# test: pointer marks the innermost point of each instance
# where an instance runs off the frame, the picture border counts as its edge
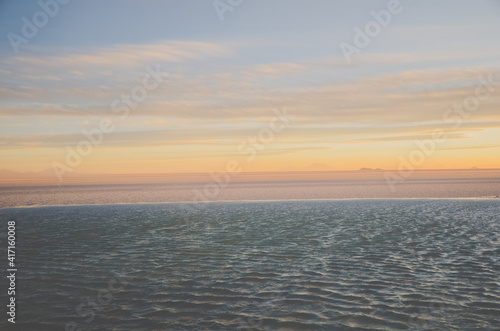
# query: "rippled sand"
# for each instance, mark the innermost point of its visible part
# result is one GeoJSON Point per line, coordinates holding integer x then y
{"type": "Point", "coordinates": [303, 265]}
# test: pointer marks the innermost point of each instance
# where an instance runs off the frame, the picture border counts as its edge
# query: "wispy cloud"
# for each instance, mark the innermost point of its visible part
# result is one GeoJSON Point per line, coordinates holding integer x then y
{"type": "Point", "coordinates": [125, 55]}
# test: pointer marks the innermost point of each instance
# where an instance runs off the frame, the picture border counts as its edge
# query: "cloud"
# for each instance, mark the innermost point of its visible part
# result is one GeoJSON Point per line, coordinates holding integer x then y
{"type": "Point", "coordinates": [413, 95]}
{"type": "Point", "coordinates": [95, 75]}
{"type": "Point", "coordinates": [419, 137]}
{"type": "Point", "coordinates": [297, 136]}
{"type": "Point", "coordinates": [469, 147]}
{"type": "Point", "coordinates": [125, 56]}
{"type": "Point", "coordinates": [159, 122]}
{"type": "Point", "coordinates": [276, 69]}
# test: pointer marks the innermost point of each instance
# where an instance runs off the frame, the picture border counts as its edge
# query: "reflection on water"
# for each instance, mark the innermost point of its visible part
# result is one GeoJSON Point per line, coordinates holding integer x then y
{"type": "Point", "coordinates": [114, 189]}
{"type": "Point", "coordinates": [310, 265]}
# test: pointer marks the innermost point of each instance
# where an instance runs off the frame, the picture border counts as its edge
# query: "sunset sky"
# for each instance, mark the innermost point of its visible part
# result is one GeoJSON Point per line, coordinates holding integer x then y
{"type": "Point", "coordinates": [227, 79]}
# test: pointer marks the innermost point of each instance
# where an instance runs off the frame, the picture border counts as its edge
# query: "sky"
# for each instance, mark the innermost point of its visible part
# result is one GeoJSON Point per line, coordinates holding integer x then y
{"type": "Point", "coordinates": [252, 85]}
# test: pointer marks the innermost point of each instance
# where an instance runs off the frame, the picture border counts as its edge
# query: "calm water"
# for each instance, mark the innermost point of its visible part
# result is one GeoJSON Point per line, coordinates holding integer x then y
{"type": "Point", "coordinates": [301, 265]}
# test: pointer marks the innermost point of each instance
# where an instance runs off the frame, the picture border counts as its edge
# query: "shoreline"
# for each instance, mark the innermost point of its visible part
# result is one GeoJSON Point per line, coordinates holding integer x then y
{"type": "Point", "coordinates": [486, 198]}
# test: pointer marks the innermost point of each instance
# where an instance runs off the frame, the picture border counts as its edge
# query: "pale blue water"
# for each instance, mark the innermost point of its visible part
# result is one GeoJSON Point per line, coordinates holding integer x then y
{"type": "Point", "coordinates": [301, 265]}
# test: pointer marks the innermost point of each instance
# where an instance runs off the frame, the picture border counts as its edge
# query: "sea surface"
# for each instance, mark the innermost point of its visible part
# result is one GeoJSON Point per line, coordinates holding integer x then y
{"type": "Point", "coordinates": [216, 187]}
{"type": "Point", "coordinates": [383, 264]}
